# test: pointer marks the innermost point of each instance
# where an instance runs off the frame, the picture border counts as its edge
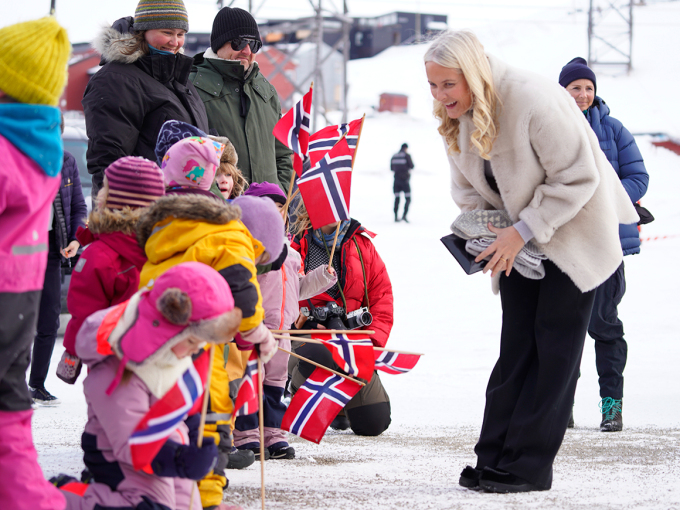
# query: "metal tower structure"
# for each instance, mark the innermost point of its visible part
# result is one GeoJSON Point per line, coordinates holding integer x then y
{"type": "Point", "coordinates": [610, 33]}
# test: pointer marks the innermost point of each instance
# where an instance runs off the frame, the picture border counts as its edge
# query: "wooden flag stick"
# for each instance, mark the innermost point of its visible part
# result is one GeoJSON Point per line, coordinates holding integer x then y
{"type": "Point", "coordinates": [321, 366]}
{"type": "Point", "coordinates": [288, 201]}
{"type": "Point", "coordinates": [260, 375]}
{"type": "Point", "coordinates": [314, 341]}
{"type": "Point", "coordinates": [335, 240]}
{"type": "Point", "coordinates": [358, 138]}
{"type": "Point", "coordinates": [324, 331]}
{"type": "Point", "coordinates": [204, 412]}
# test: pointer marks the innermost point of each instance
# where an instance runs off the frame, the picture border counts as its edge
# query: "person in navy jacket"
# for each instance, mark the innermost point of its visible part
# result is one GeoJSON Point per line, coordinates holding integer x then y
{"type": "Point", "coordinates": [68, 213]}
{"type": "Point", "coordinates": [605, 327]}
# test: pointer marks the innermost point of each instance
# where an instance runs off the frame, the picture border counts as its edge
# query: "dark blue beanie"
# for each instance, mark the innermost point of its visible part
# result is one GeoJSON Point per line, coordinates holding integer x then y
{"type": "Point", "coordinates": [172, 132]}
{"type": "Point", "coordinates": [577, 69]}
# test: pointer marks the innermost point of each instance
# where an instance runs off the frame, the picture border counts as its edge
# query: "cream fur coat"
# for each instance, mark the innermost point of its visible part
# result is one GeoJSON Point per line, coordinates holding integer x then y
{"type": "Point", "coordinates": [551, 173]}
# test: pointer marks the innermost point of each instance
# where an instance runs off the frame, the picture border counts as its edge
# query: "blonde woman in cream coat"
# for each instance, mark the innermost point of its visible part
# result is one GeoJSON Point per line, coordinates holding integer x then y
{"type": "Point", "coordinates": [517, 141]}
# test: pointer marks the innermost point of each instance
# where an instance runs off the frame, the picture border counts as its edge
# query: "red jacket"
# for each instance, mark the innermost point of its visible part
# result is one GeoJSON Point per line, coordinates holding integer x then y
{"type": "Point", "coordinates": [106, 274]}
{"type": "Point", "coordinates": [351, 279]}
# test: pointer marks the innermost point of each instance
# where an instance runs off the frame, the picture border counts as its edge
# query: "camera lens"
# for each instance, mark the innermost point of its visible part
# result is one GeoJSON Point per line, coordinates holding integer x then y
{"type": "Point", "coordinates": [365, 318]}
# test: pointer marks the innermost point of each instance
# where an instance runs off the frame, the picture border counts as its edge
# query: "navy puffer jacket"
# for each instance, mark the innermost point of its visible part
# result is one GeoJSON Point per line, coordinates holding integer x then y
{"type": "Point", "coordinates": [622, 152]}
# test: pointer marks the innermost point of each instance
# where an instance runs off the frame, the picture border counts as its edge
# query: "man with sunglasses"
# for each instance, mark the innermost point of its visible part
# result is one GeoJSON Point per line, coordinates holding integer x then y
{"type": "Point", "coordinates": [241, 104]}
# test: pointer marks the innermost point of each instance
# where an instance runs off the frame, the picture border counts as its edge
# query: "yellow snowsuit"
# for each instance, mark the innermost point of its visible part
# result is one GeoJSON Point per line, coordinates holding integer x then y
{"type": "Point", "coordinates": [191, 227]}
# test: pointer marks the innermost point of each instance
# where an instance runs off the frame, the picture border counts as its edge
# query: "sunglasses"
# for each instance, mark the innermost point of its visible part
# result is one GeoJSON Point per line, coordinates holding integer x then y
{"type": "Point", "coordinates": [239, 43]}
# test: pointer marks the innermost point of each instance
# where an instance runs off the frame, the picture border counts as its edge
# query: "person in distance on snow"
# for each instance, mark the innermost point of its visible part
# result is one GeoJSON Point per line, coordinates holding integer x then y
{"type": "Point", "coordinates": [622, 152]}
{"type": "Point", "coordinates": [543, 165]}
{"type": "Point", "coordinates": [402, 164]}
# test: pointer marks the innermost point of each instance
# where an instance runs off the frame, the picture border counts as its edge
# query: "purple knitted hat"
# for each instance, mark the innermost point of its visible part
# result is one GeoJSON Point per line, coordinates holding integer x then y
{"type": "Point", "coordinates": [266, 189]}
{"type": "Point", "coordinates": [133, 182]}
{"type": "Point", "coordinates": [262, 218]}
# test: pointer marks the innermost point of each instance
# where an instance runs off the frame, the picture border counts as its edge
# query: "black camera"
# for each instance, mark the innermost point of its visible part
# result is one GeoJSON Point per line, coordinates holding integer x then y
{"type": "Point", "coordinates": [333, 316]}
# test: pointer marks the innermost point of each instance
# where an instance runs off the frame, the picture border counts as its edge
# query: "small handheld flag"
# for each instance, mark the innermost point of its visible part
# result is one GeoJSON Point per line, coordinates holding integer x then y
{"type": "Point", "coordinates": [246, 399]}
{"type": "Point", "coordinates": [354, 356]}
{"type": "Point", "coordinates": [292, 130]}
{"type": "Point", "coordinates": [395, 363]}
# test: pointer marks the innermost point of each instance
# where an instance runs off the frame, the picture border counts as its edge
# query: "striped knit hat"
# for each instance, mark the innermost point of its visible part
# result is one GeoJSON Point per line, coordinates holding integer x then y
{"type": "Point", "coordinates": [133, 182]}
{"type": "Point", "coordinates": [155, 14]}
{"type": "Point", "coordinates": [33, 61]}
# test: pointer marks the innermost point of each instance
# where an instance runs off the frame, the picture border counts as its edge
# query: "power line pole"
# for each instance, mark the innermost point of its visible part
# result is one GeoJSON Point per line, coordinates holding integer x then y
{"type": "Point", "coordinates": [53, 7]}
{"type": "Point", "coordinates": [345, 59]}
{"type": "Point", "coordinates": [610, 33]}
{"type": "Point", "coordinates": [317, 66]}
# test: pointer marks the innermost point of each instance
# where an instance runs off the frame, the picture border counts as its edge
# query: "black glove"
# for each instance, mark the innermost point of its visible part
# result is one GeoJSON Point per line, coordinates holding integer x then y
{"type": "Point", "coordinates": [185, 461]}
{"type": "Point", "coordinates": [193, 422]}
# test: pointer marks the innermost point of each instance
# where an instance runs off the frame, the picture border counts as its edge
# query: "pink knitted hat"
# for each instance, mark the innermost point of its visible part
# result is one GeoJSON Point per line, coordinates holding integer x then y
{"type": "Point", "coordinates": [133, 182]}
{"type": "Point", "coordinates": [189, 299]}
{"type": "Point", "coordinates": [192, 162]}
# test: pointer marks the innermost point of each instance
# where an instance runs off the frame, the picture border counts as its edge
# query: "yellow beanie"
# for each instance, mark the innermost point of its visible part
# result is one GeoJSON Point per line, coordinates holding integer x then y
{"type": "Point", "coordinates": [33, 61]}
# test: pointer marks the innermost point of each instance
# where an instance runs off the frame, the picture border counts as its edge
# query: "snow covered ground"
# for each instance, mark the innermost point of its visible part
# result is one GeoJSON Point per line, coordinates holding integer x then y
{"type": "Point", "coordinates": [455, 319]}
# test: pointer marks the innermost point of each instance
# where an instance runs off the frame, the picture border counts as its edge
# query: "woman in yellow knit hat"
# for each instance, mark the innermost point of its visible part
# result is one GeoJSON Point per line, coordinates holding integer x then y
{"type": "Point", "coordinates": [144, 82]}
{"type": "Point", "coordinates": [33, 59]}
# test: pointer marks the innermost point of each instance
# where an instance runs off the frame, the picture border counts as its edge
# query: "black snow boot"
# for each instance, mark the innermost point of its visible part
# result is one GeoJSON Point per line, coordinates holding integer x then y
{"type": "Point", "coordinates": [396, 208]}
{"type": "Point", "coordinates": [612, 419]}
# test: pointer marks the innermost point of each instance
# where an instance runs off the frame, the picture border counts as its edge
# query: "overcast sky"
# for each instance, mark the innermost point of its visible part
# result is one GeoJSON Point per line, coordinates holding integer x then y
{"type": "Point", "coordinates": [82, 18]}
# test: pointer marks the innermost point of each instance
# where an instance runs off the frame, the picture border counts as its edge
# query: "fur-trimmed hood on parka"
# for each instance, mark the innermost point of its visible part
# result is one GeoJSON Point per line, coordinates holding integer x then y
{"type": "Point", "coordinates": [111, 44]}
{"type": "Point", "coordinates": [107, 221]}
{"type": "Point", "coordinates": [189, 206]}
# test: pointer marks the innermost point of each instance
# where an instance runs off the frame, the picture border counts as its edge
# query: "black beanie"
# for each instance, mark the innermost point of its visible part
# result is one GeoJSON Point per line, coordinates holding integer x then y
{"type": "Point", "coordinates": [577, 69]}
{"type": "Point", "coordinates": [231, 23]}
{"type": "Point", "coordinates": [404, 146]}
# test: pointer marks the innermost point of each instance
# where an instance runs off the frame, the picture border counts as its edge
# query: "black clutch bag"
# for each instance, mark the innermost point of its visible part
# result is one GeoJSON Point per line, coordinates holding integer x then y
{"type": "Point", "coordinates": [456, 245]}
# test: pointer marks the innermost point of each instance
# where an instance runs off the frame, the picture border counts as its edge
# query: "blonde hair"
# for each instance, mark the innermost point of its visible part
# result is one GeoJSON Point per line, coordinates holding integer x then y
{"type": "Point", "coordinates": [461, 50]}
{"type": "Point", "coordinates": [136, 42]}
{"type": "Point", "coordinates": [302, 221]}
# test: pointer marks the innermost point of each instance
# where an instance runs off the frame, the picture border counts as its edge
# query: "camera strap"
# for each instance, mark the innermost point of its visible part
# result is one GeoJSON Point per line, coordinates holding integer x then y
{"type": "Point", "coordinates": [363, 270]}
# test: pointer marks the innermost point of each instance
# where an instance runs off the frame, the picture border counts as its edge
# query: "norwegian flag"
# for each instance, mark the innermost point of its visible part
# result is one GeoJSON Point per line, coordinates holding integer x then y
{"type": "Point", "coordinates": [247, 401]}
{"type": "Point", "coordinates": [316, 403]}
{"type": "Point", "coordinates": [292, 130]}
{"type": "Point", "coordinates": [182, 400]}
{"type": "Point", "coordinates": [323, 140]}
{"type": "Point", "coordinates": [395, 363]}
{"type": "Point", "coordinates": [325, 188]}
{"type": "Point", "coordinates": [354, 356]}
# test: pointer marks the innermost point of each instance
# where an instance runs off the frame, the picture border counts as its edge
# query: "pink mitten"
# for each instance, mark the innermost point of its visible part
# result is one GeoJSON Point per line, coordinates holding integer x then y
{"type": "Point", "coordinates": [261, 336]}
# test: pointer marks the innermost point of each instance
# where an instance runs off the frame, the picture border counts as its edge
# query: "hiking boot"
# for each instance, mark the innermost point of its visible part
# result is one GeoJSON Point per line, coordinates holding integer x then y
{"type": "Point", "coordinates": [281, 450]}
{"type": "Point", "coordinates": [223, 506]}
{"type": "Point", "coordinates": [612, 420]}
{"type": "Point", "coordinates": [239, 459]}
{"type": "Point", "coordinates": [340, 422]}
{"type": "Point", "coordinates": [469, 478]}
{"type": "Point", "coordinates": [43, 397]}
{"type": "Point", "coordinates": [255, 449]}
{"type": "Point", "coordinates": [69, 368]}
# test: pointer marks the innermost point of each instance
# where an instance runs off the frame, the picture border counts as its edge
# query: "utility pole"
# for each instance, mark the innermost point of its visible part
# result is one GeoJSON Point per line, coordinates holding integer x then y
{"type": "Point", "coordinates": [610, 33]}
{"type": "Point", "coordinates": [317, 66]}
{"type": "Point", "coordinates": [345, 59]}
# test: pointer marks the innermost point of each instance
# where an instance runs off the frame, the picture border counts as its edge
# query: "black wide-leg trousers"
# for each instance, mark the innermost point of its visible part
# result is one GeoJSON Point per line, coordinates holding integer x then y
{"type": "Point", "coordinates": [531, 389]}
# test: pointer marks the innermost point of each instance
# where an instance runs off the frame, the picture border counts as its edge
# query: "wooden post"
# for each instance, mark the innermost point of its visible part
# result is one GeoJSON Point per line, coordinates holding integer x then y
{"type": "Point", "coordinates": [204, 412]}
{"type": "Point", "coordinates": [260, 376]}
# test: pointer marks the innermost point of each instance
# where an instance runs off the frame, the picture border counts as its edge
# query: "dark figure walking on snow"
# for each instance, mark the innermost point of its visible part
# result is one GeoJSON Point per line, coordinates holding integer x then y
{"type": "Point", "coordinates": [401, 165]}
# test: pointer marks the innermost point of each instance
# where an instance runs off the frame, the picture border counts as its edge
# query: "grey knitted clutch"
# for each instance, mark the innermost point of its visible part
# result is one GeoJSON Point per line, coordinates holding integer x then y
{"type": "Point", "coordinates": [473, 224]}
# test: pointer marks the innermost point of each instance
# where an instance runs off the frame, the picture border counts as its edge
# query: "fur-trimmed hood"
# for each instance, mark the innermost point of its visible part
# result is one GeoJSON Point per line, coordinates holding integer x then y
{"type": "Point", "coordinates": [107, 221]}
{"type": "Point", "coordinates": [111, 44]}
{"type": "Point", "coordinates": [191, 207]}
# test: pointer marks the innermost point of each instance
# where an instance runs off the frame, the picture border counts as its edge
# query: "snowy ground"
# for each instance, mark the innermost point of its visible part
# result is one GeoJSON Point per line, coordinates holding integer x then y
{"type": "Point", "coordinates": [455, 320]}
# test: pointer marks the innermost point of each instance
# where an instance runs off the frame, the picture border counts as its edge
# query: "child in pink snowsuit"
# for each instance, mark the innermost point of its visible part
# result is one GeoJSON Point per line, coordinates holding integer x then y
{"type": "Point", "coordinates": [33, 58]}
{"type": "Point", "coordinates": [281, 288]}
{"type": "Point", "coordinates": [136, 351]}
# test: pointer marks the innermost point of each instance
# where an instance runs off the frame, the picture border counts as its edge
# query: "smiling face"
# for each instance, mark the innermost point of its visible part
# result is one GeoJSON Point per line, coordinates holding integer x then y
{"type": "Point", "coordinates": [449, 87]}
{"type": "Point", "coordinates": [226, 184]}
{"type": "Point", "coordinates": [165, 39]}
{"type": "Point", "coordinates": [583, 92]}
{"type": "Point", "coordinates": [246, 56]}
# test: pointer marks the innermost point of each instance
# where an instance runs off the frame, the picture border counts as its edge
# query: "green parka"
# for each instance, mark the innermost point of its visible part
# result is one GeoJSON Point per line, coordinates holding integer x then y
{"type": "Point", "coordinates": [227, 92]}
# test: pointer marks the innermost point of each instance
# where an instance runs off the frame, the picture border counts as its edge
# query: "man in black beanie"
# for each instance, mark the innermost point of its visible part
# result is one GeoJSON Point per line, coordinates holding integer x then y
{"type": "Point", "coordinates": [241, 104]}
